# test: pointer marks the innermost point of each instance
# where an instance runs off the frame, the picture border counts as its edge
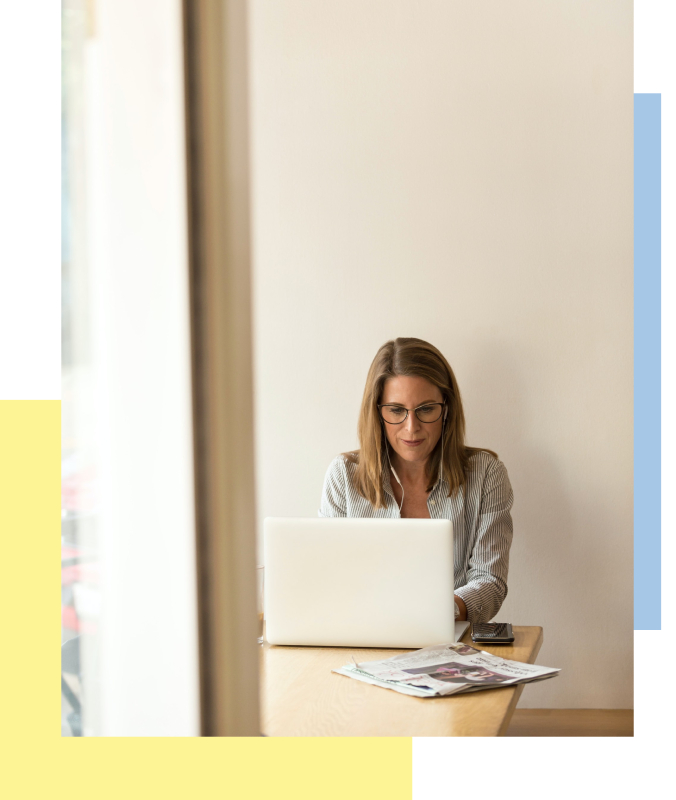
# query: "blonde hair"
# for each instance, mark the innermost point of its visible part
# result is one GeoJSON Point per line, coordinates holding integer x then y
{"type": "Point", "coordinates": [410, 357]}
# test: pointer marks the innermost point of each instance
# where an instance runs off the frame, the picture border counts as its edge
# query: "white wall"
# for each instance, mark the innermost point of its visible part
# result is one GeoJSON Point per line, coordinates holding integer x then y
{"type": "Point", "coordinates": [461, 172]}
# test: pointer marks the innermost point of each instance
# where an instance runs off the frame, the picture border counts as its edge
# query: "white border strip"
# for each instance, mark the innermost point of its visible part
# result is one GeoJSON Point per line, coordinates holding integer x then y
{"type": "Point", "coordinates": [30, 159]}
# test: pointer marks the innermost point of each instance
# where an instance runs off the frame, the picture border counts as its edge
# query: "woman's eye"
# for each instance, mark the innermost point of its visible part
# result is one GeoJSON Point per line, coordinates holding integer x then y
{"type": "Point", "coordinates": [426, 409]}
{"type": "Point", "coordinates": [395, 410]}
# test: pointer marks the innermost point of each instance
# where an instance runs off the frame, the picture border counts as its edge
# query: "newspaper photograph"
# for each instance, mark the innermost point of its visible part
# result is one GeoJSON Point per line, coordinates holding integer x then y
{"type": "Point", "coordinates": [445, 669]}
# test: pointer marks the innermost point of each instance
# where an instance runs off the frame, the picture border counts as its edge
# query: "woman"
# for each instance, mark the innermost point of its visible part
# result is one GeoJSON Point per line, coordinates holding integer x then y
{"type": "Point", "coordinates": [412, 429]}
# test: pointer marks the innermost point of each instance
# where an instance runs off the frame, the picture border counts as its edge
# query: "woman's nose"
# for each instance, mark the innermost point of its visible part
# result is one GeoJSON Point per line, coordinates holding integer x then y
{"type": "Point", "coordinates": [412, 422]}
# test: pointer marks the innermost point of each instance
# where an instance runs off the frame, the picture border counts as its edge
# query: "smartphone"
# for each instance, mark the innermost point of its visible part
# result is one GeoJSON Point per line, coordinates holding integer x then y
{"type": "Point", "coordinates": [492, 632]}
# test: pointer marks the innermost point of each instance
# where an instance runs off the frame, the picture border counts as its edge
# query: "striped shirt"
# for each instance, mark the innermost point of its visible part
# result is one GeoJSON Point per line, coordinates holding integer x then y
{"type": "Point", "coordinates": [482, 524]}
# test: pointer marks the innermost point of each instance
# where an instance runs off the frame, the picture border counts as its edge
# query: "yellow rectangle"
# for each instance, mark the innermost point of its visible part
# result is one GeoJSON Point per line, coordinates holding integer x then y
{"type": "Point", "coordinates": [39, 763]}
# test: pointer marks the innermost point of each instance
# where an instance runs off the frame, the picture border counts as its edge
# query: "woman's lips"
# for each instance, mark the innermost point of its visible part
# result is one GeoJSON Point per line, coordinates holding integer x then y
{"type": "Point", "coordinates": [412, 442]}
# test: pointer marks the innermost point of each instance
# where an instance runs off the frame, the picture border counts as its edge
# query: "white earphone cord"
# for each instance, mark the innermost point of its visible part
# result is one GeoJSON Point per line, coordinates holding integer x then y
{"type": "Point", "coordinates": [387, 450]}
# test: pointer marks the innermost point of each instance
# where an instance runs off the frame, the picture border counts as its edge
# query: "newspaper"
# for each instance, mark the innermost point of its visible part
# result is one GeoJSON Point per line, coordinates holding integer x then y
{"type": "Point", "coordinates": [444, 669]}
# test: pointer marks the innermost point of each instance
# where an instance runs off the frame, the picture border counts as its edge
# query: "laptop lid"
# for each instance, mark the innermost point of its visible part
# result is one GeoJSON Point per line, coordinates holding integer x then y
{"type": "Point", "coordinates": [359, 582]}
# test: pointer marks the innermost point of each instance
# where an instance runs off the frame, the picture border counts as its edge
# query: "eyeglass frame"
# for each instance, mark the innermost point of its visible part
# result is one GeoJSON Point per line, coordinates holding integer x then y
{"type": "Point", "coordinates": [408, 410]}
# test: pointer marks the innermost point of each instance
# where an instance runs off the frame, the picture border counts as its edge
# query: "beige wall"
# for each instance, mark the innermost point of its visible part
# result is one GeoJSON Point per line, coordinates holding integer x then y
{"type": "Point", "coordinates": [461, 172]}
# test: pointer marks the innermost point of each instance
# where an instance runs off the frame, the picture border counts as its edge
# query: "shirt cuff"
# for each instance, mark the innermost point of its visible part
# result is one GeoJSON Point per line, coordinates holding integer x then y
{"type": "Point", "coordinates": [477, 610]}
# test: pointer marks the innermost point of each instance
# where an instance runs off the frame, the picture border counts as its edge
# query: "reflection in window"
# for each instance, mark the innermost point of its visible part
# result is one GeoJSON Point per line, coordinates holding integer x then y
{"type": "Point", "coordinates": [80, 589]}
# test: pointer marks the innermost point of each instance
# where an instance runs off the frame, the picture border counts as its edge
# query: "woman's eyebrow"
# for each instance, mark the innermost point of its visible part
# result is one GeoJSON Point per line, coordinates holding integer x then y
{"type": "Point", "coordinates": [425, 403]}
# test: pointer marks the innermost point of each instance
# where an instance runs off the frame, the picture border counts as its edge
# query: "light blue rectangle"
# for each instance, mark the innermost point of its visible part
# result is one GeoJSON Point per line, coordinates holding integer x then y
{"type": "Point", "coordinates": [647, 362]}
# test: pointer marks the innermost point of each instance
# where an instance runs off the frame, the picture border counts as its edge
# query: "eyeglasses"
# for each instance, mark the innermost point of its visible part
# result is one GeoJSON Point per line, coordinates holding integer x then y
{"type": "Point", "coordinates": [395, 415]}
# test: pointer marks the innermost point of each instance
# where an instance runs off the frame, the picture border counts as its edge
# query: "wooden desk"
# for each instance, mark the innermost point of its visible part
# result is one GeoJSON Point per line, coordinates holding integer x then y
{"type": "Point", "coordinates": [300, 696]}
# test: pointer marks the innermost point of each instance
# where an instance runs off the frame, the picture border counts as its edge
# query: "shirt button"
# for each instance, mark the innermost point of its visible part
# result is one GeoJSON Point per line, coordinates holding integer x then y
{"type": "Point", "coordinates": [433, 502]}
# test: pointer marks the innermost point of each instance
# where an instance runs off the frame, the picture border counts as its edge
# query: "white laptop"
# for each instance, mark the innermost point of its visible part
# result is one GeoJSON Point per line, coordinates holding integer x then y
{"type": "Point", "coordinates": [359, 582]}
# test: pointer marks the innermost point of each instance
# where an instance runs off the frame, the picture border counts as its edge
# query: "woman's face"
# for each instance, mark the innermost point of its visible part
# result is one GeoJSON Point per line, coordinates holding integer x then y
{"type": "Point", "coordinates": [412, 439]}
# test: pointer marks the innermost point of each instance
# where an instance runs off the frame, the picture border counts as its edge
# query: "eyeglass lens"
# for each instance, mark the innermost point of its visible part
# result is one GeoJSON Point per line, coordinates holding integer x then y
{"type": "Point", "coordinates": [396, 414]}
